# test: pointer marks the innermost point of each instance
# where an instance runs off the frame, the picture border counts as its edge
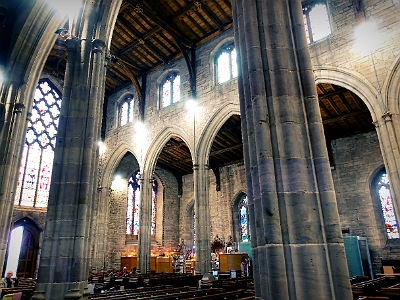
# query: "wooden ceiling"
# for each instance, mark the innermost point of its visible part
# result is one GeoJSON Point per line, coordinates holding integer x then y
{"type": "Point", "coordinates": [152, 33]}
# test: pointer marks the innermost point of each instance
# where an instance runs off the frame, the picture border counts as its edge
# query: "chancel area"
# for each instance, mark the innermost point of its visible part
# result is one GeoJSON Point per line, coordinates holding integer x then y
{"type": "Point", "coordinates": [237, 149]}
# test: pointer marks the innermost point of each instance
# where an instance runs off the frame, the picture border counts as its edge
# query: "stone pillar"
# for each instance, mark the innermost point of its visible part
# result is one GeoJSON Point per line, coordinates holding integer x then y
{"type": "Point", "coordinates": [202, 218]}
{"type": "Point", "coordinates": [144, 242]}
{"type": "Point", "coordinates": [12, 138]}
{"type": "Point", "coordinates": [65, 256]}
{"type": "Point", "coordinates": [387, 134]}
{"type": "Point", "coordinates": [296, 239]}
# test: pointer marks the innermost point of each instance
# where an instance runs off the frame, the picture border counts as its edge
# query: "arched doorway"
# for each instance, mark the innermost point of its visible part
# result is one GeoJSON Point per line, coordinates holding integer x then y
{"type": "Point", "coordinates": [24, 239]}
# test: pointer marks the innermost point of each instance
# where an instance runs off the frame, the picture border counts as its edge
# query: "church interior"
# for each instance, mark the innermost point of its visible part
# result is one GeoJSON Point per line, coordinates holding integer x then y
{"type": "Point", "coordinates": [210, 138]}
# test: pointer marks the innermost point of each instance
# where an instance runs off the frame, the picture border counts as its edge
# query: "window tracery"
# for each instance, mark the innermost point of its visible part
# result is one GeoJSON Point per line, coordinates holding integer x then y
{"type": "Point", "coordinates": [38, 152]}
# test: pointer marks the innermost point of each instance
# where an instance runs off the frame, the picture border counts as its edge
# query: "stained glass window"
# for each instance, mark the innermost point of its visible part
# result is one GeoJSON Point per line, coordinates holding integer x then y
{"type": "Point", "coordinates": [171, 90]}
{"type": "Point", "coordinates": [226, 65]}
{"type": "Point", "coordinates": [133, 205]}
{"type": "Point", "coordinates": [126, 111]}
{"type": "Point", "coordinates": [38, 152]}
{"type": "Point", "coordinates": [244, 219]}
{"type": "Point", "coordinates": [316, 22]}
{"type": "Point", "coordinates": [389, 215]}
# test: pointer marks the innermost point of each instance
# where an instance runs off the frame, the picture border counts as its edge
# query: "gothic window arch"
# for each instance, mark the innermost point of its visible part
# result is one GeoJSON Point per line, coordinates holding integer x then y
{"type": "Point", "coordinates": [225, 63]}
{"type": "Point", "coordinates": [38, 152]}
{"type": "Point", "coordinates": [133, 205]}
{"type": "Point", "coordinates": [381, 186]}
{"type": "Point", "coordinates": [316, 20]}
{"type": "Point", "coordinates": [126, 111]}
{"type": "Point", "coordinates": [170, 89]}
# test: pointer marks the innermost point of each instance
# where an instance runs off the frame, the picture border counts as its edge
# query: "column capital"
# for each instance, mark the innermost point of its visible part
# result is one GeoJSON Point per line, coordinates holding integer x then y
{"type": "Point", "coordinates": [73, 44]}
{"type": "Point", "coordinates": [98, 46]}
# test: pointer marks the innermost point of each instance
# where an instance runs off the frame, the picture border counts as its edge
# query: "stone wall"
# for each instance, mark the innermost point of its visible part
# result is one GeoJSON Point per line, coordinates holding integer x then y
{"type": "Point", "coordinates": [356, 160]}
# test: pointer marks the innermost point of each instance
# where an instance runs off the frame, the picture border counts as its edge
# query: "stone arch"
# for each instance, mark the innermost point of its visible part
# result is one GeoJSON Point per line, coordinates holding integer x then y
{"type": "Point", "coordinates": [112, 163]}
{"type": "Point", "coordinates": [212, 128]}
{"type": "Point", "coordinates": [158, 143]}
{"type": "Point", "coordinates": [391, 87]}
{"type": "Point", "coordinates": [354, 82]}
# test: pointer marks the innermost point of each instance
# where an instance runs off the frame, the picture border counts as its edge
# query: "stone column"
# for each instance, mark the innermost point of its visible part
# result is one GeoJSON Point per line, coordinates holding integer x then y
{"type": "Point", "coordinates": [202, 218]}
{"type": "Point", "coordinates": [296, 239]}
{"type": "Point", "coordinates": [65, 257]}
{"type": "Point", "coordinates": [144, 242]}
{"type": "Point", "coordinates": [11, 141]}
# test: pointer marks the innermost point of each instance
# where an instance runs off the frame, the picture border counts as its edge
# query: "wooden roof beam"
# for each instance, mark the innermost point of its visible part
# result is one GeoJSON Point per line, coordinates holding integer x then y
{"type": "Point", "coordinates": [212, 16]}
{"type": "Point", "coordinates": [149, 13]}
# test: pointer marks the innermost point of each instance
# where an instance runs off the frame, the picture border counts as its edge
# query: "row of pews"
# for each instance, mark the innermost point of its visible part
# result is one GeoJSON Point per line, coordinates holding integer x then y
{"type": "Point", "coordinates": [385, 287]}
{"type": "Point", "coordinates": [157, 289]}
{"type": "Point", "coordinates": [25, 286]}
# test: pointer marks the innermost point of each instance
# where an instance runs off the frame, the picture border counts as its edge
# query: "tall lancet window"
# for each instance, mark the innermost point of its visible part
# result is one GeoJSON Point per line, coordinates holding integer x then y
{"type": "Point", "coordinates": [171, 90]}
{"type": "Point", "coordinates": [126, 111]}
{"type": "Point", "coordinates": [244, 219]}
{"type": "Point", "coordinates": [316, 21]}
{"type": "Point", "coordinates": [391, 225]}
{"type": "Point", "coordinates": [133, 205]}
{"type": "Point", "coordinates": [38, 152]}
{"type": "Point", "coordinates": [226, 65]}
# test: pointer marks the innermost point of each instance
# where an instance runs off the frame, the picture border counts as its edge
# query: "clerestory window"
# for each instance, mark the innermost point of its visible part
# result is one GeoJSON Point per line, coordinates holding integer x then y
{"type": "Point", "coordinates": [126, 110]}
{"type": "Point", "coordinates": [171, 90]}
{"type": "Point", "coordinates": [38, 152]}
{"type": "Point", "coordinates": [226, 64]}
{"type": "Point", "coordinates": [316, 21]}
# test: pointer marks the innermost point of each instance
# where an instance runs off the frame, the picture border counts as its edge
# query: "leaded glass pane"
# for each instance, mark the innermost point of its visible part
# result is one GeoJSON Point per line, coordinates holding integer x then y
{"type": "Point", "coordinates": [223, 68]}
{"type": "Point", "coordinates": [306, 28]}
{"type": "Point", "coordinates": [31, 175]}
{"type": "Point", "coordinates": [45, 177]}
{"type": "Point", "coordinates": [389, 216]}
{"type": "Point", "coordinates": [153, 211]}
{"type": "Point", "coordinates": [129, 209]}
{"type": "Point", "coordinates": [166, 93]}
{"type": "Point", "coordinates": [124, 113]}
{"type": "Point", "coordinates": [133, 206]}
{"type": "Point", "coordinates": [234, 64]}
{"type": "Point", "coordinates": [244, 225]}
{"type": "Point", "coordinates": [130, 110]}
{"type": "Point", "coordinates": [38, 153]}
{"type": "Point", "coordinates": [176, 97]}
{"type": "Point", "coordinates": [319, 21]}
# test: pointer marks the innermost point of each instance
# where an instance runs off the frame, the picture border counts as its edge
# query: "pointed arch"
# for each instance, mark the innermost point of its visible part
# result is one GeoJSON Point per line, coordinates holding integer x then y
{"type": "Point", "coordinates": [212, 128]}
{"type": "Point", "coordinates": [113, 162]}
{"type": "Point", "coordinates": [391, 87]}
{"type": "Point", "coordinates": [158, 143]}
{"type": "Point", "coordinates": [354, 82]}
